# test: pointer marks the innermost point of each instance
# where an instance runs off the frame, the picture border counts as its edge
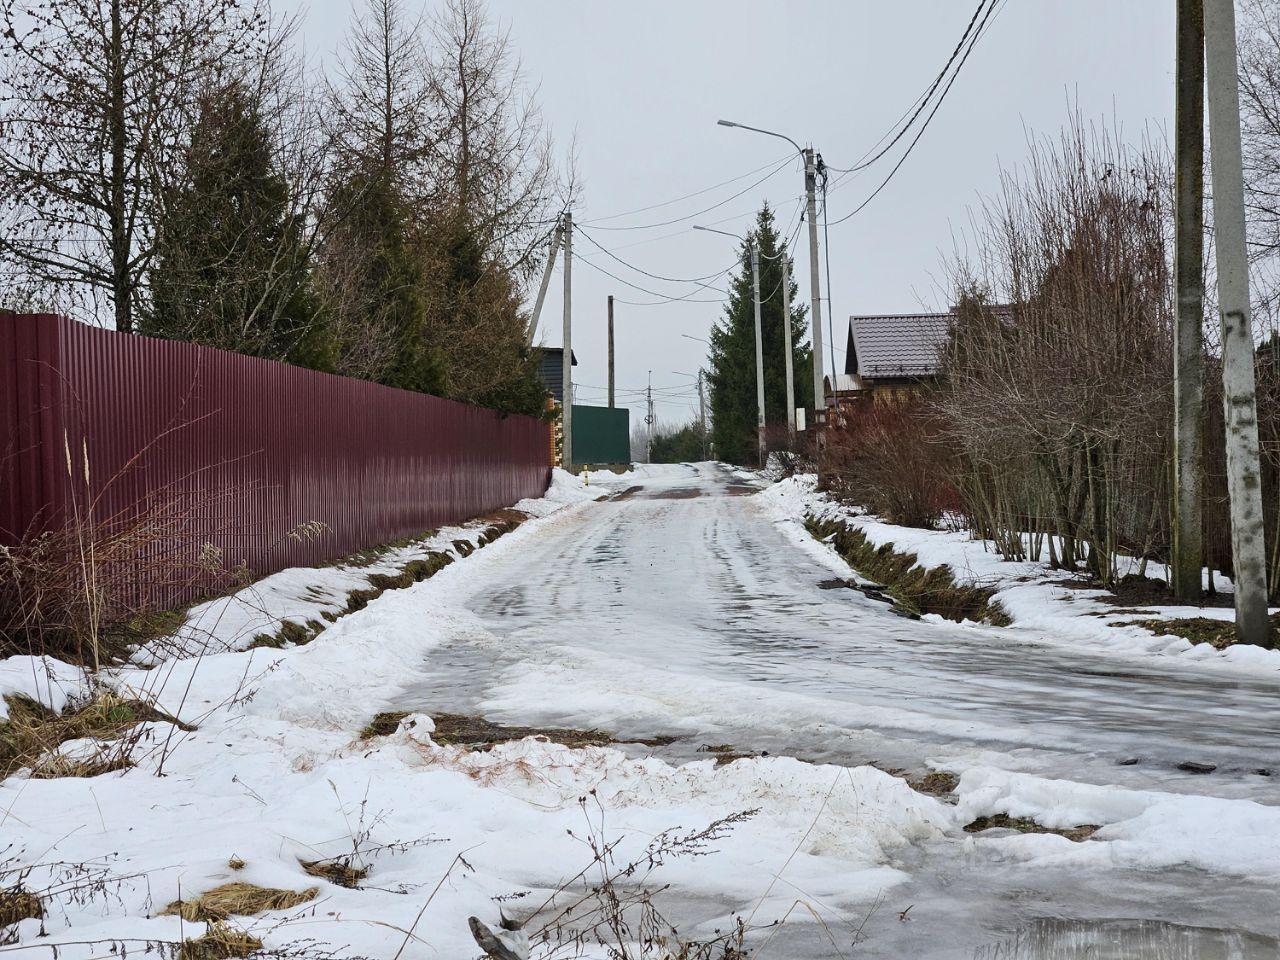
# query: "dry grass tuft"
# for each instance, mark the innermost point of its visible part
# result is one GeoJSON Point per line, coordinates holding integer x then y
{"type": "Point", "coordinates": [32, 734]}
{"type": "Point", "coordinates": [915, 588]}
{"type": "Point", "coordinates": [237, 899]}
{"type": "Point", "coordinates": [338, 870]}
{"type": "Point", "coordinates": [383, 724]}
{"type": "Point", "coordinates": [220, 942]}
{"type": "Point", "coordinates": [235, 863]}
{"type": "Point", "coordinates": [19, 903]}
{"type": "Point", "coordinates": [1026, 825]}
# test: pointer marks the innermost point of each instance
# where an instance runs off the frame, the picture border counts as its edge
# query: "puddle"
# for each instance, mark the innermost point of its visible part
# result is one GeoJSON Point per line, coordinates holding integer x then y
{"type": "Point", "coordinates": [1054, 939]}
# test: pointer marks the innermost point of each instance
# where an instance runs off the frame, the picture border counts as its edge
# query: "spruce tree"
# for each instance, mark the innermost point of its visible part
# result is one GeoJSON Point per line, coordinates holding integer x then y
{"type": "Point", "coordinates": [733, 349]}
{"type": "Point", "coordinates": [232, 267]}
{"type": "Point", "coordinates": [375, 286]}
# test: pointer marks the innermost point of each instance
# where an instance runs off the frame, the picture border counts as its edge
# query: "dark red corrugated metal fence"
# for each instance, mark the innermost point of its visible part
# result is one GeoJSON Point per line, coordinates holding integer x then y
{"type": "Point", "coordinates": [251, 447]}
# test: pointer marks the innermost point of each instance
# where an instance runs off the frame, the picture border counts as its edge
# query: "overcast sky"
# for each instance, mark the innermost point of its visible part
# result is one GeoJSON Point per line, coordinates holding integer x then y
{"type": "Point", "coordinates": [641, 85]}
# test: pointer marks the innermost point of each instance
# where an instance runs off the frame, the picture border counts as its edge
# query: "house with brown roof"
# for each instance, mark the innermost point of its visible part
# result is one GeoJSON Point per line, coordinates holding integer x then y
{"type": "Point", "coordinates": [892, 354]}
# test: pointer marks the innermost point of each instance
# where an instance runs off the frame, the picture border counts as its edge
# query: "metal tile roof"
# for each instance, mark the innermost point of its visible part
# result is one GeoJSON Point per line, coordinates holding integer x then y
{"type": "Point", "coordinates": [896, 345]}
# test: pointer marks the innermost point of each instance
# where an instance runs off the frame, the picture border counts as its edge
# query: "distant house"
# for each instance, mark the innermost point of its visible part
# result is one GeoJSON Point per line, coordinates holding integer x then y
{"type": "Point", "coordinates": [893, 354]}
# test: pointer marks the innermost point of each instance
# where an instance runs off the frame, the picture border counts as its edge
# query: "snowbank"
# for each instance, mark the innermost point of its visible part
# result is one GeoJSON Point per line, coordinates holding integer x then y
{"type": "Point", "coordinates": [1032, 593]}
{"type": "Point", "coordinates": [43, 679]}
{"type": "Point", "coordinates": [1142, 829]}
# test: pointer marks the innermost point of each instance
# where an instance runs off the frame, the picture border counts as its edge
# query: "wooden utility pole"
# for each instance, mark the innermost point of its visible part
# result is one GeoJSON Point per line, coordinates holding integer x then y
{"type": "Point", "coordinates": [611, 351]}
{"type": "Point", "coordinates": [1188, 280]}
{"type": "Point", "coordinates": [566, 382]}
{"type": "Point", "coordinates": [1244, 479]}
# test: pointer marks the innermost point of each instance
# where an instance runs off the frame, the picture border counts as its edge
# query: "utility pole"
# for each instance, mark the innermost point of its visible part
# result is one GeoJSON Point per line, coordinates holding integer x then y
{"type": "Point", "coordinates": [542, 288]}
{"type": "Point", "coordinates": [648, 421]}
{"type": "Point", "coordinates": [566, 383]}
{"type": "Point", "coordinates": [1188, 281]}
{"type": "Point", "coordinates": [611, 351]}
{"type": "Point", "coordinates": [815, 294]}
{"type": "Point", "coordinates": [755, 283]}
{"type": "Point", "coordinates": [702, 415]}
{"type": "Point", "coordinates": [790, 405]}
{"type": "Point", "coordinates": [1244, 482]}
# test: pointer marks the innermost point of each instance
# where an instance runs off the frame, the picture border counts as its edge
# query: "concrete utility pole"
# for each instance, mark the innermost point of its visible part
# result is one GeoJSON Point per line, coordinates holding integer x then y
{"type": "Point", "coordinates": [1243, 470]}
{"type": "Point", "coordinates": [1188, 281]}
{"type": "Point", "coordinates": [702, 415]}
{"type": "Point", "coordinates": [790, 405]}
{"type": "Point", "coordinates": [611, 351]}
{"type": "Point", "coordinates": [815, 292]}
{"type": "Point", "coordinates": [542, 289]}
{"type": "Point", "coordinates": [755, 284]}
{"type": "Point", "coordinates": [566, 383]}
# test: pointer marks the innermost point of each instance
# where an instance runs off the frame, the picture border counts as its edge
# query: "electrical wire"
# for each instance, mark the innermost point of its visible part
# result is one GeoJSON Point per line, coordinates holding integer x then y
{"type": "Point", "coordinates": [687, 196]}
{"type": "Point", "coordinates": [688, 298]}
{"type": "Point", "coordinates": [923, 127]}
{"type": "Point", "coordinates": [920, 103]}
{"type": "Point", "coordinates": [656, 276]}
{"type": "Point", "coordinates": [697, 213]}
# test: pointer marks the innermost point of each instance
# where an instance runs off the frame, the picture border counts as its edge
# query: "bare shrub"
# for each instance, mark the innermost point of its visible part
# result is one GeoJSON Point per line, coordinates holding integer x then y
{"type": "Point", "coordinates": [886, 456]}
{"type": "Point", "coordinates": [1058, 371]}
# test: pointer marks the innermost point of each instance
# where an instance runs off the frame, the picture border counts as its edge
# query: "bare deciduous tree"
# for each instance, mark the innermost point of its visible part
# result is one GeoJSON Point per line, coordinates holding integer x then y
{"type": "Point", "coordinates": [96, 95]}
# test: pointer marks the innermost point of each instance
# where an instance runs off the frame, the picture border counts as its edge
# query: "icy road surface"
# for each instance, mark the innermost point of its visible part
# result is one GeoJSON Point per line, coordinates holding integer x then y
{"type": "Point", "coordinates": [683, 608]}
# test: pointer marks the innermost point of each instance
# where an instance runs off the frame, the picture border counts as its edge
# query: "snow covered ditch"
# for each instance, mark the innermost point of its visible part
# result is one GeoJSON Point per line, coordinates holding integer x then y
{"type": "Point", "coordinates": [1032, 593]}
{"type": "Point", "coordinates": [277, 788]}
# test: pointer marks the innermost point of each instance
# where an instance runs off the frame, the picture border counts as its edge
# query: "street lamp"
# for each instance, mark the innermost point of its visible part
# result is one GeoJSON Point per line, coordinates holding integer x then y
{"type": "Point", "coordinates": [815, 292]}
{"type": "Point", "coordinates": [699, 339]}
{"type": "Point", "coordinates": [755, 283]}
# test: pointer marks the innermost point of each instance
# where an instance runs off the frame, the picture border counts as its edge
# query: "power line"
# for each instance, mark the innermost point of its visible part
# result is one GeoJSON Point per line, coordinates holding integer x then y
{"type": "Point", "coordinates": [687, 196]}
{"type": "Point", "coordinates": [920, 103]}
{"type": "Point", "coordinates": [923, 127]}
{"type": "Point", "coordinates": [688, 298]}
{"type": "Point", "coordinates": [656, 276]}
{"type": "Point", "coordinates": [697, 213]}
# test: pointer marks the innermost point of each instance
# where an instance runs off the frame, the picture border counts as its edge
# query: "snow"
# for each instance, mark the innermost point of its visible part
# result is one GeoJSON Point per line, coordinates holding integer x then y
{"type": "Point", "coordinates": [276, 773]}
{"type": "Point", "coordinates": [1031, 592]}
{"type": "Point", "coordinates": [305, 595]}
{"type": "Point", "coordinates": [1144, 829]}
{"type": "Point", "coordinates": [43, 679]}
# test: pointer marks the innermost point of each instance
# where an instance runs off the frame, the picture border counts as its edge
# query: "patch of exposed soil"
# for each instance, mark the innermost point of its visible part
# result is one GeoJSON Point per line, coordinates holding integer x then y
{"type": "Point", "coordinates": [678, 493]}
{"type": "Point", "coordinates": [936, 783]}
{"type": "Point", "coordinates": [1220, 634]}
{"type": "Point", "coordinates": [727, 753]}
{"type": "Point", "coordinates": [477, 733]}
{"type": "Point", "coordinates": [1026, 825]}
{"type": "Point", "coordinates": [1136, 591]}
{"type": "Point", "coordinates": [741, 490]}
{"type": "Point", "coordinates": [626, 494]}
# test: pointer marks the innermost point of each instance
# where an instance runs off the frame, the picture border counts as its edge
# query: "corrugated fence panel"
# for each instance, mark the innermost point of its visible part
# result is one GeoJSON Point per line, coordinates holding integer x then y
{"type": "Point", "coordinates": [103, 426]}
